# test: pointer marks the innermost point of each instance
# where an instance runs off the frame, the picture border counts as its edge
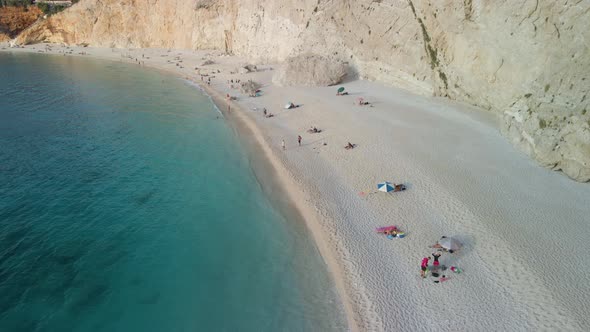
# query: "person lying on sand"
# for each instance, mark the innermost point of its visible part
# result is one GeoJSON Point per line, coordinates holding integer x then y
{"type": "Point", "coordinates": [440, 247]}
{"type": "Point", "coordinates": [399, 187]}
{"type": "Point", "coordinates": [342, 93]}
{"type": "Point", "coordinates": [269, 115]}
{"type": "Point", "coordinates": [391, 233]}
{"type": "Point", "coordinates": [442, 279]}
{"type": "Point", "coordinates": [436, 246]}
{"type": "Point", "coordinates": [291, 105]}
{"type": "Point", "coordinates": [314, 130]}
{"type": "Point", "coordinates": [349, 146]}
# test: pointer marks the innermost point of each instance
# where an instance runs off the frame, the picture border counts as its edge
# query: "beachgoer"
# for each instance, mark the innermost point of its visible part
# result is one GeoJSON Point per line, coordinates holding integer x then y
{"type": "Point", "coordinates": [299, 139]}
{"type": "Point", "coordinates": [443, 278]}
{"type": "Point", "coordinates": [436, 246]}
{"type": "Point", "coordinates": [424, 266]}
{"type": "Point", "coordinates": [264, 111]}
{"type": "Point", "coordinates": [436, 257]}
{"type": "Point", "coordinates": [349, 146]}
{"type": "Point", "coordinates": [283, 144]}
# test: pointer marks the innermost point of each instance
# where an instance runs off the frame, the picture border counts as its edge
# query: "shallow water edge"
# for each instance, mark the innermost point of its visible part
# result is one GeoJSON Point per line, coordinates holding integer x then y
{"type": "Point", "coordinates": [282, 191]}
{"type": "Point", "coordinates": [270, 175]}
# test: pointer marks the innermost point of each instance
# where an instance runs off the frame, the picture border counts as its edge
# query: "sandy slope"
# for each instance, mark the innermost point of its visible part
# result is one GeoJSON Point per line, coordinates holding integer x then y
{"type": "Point", "coordinates": [525, 228]}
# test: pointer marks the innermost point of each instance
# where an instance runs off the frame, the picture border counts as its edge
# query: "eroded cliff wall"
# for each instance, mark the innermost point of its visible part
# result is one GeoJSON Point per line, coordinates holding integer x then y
{"type": "Point", "coordinates": [527, 59]}
{"type": "Point", "coordinates": [14, 19]}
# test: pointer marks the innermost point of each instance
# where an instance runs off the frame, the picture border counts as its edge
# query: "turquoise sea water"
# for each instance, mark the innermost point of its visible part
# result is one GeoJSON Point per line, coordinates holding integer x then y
{"type": "Point", "coordinates": [127, 204]}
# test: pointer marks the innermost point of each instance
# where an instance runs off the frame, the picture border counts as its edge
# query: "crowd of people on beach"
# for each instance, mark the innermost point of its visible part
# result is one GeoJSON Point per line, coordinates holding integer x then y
{"type": "Point", "coordinates": [436, 270]}
{"type": "Point", "coordinates": [289, 106]}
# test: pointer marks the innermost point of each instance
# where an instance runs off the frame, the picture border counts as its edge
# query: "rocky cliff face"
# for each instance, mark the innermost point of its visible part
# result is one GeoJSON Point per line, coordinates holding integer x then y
{"type": "Point", "coordinates": [14, 19]}
{"type": "Point", "coordinates": [526, 59]}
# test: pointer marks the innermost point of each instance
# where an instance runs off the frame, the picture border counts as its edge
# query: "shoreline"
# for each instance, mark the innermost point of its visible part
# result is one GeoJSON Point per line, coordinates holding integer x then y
{"type": "Point", "coordinates": [292, 206]}
{"type": "Point", "coordinates": [464, 179]}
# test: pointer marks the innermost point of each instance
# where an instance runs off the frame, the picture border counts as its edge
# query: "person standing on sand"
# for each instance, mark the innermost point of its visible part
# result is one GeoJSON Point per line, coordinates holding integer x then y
{"type": "Point", "coordinates": [299, 139]}
{"type": "Point", "coordinates": [436, 257]}
{"type": "Point", "coordinates": [283, 144]}
{"type": "Point", "coordinates": [424, 266]}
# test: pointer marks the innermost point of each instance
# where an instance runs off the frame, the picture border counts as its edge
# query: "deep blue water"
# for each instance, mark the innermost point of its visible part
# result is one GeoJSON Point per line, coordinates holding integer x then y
{"type": "Point", "coordinates": [128, 204]}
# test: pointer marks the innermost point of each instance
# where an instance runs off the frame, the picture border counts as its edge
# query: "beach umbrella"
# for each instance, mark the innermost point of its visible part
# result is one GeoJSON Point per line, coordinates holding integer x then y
{"type": "Point", "coordinates": [288, 105]}
{"type": "Point", "coordinates": [385, 186]}
{"type": "Point", "coordinates": [341, 89]}
{"type": "Point", "coordinates": [449, 243]}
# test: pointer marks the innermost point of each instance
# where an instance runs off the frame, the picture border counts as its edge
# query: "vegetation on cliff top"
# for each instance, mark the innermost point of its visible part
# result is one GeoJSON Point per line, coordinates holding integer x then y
{"type": "Point", "coordinates": [17, 15]}
{"type": "Point", "coordinates": [13, 20]}
{"type": "Point", "coordinates": [46, 7]}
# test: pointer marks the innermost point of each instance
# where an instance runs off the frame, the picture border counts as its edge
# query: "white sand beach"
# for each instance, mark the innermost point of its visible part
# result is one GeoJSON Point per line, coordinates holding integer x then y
{"type": "Point", "coordinates": [525, 229]}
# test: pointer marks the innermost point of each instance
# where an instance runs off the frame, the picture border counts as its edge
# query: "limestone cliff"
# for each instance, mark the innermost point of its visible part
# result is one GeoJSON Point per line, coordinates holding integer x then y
{"type": "Point", "coordinates": [527, 59]}
{"type": "Point", "coordinates": [15, 19]}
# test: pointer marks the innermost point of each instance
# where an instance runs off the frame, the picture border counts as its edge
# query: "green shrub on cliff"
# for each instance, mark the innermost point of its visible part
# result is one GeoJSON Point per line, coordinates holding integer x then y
{"type": "Point", "coordinates": [50, 9]}
{"type": "Point", "coordinates": [15, 3]}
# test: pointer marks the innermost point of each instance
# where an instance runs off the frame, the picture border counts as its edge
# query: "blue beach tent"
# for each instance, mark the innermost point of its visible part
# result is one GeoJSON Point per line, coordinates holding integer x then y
{"type": "Point", "coordinates": [385, 186]}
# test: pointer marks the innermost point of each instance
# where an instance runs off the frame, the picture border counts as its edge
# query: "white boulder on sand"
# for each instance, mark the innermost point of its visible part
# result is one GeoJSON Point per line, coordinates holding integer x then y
{"type": "Point", "coordinates": [247, 69]}
{"type": "Point", "coordinates": [249, 88]}
{"type": "Point", "coordinates": [310, 70]}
